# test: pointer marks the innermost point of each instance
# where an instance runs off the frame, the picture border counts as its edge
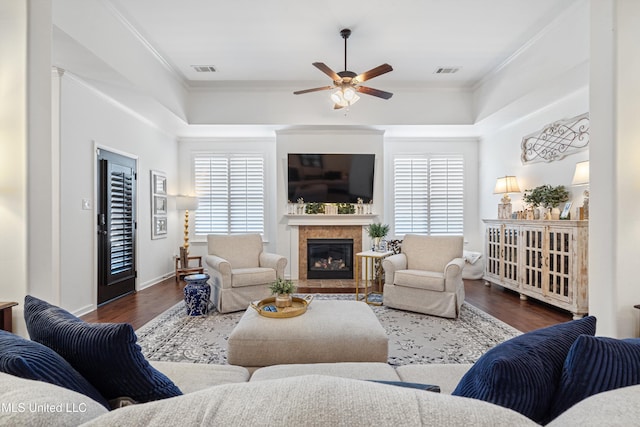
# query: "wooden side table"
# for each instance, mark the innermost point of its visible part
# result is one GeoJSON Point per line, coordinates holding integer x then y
{"type": "Point", "coordinates": [368, 258]}
{"type": "Point", "coordinates": [185, 270]}
{"type": "Point", "coordinates": [6, 321]}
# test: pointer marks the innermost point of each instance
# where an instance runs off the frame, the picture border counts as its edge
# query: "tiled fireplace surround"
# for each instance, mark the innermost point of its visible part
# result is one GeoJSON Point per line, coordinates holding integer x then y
{"type": "Point", "coordinates": [304, 227]}
{"type": "Point", "coordinates": [306, 232]}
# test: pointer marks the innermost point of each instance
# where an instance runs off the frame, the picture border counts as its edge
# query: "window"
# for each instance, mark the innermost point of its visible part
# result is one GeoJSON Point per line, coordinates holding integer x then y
{"type": "Point", "coordinates": [230, 192]}
{"type": "Point", "coordinates": [428, 194]}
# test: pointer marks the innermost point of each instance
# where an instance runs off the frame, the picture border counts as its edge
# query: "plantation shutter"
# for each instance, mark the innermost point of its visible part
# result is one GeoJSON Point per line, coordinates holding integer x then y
{"type": "Point", "coordinates": [121, 221]}
{"type": "Point", "coordinates": [429, 195]}
{"type": "Point", "coordinates": [411, 190]}
{"type": "Point", "coordinates": [230, 190]}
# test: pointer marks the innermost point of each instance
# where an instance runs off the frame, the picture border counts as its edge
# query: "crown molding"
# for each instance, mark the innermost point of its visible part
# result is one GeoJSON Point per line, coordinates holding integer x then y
{"type": "Point", "coordinates": [177, 75]}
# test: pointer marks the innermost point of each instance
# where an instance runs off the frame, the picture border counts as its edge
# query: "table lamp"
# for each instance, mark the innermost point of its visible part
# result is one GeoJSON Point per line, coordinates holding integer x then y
{"type": "Point", "coordinates": [581, 178]}
{"type": "Point", "coordinates": [505, 185]}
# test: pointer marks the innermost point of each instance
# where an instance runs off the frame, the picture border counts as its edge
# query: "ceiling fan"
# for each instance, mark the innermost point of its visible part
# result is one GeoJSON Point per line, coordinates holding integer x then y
{"type": "Point", "coordinates": [348, 82]}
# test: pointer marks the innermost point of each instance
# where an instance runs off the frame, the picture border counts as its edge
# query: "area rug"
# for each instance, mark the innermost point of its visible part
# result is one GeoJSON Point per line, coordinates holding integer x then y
{"type": "Point", "coordinates": [413, 338]}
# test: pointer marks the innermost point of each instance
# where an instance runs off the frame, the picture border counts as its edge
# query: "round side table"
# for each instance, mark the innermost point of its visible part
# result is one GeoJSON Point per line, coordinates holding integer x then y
{"type": "Point", "coordinates": [197, 293]}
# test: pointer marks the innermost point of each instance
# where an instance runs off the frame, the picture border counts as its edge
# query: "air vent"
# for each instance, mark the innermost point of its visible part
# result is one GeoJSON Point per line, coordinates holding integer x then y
{"type": "Point", "coordinates": [204, 68]}
{"type": "Point", "coordinates": [446, 70]}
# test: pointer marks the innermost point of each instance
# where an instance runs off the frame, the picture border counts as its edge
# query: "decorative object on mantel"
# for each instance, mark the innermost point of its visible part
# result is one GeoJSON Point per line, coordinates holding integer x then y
{"type": "Point", "coordinates": [377, 231]}
{"type": "Point", "coordinates": [346, 209]}
{"type": "Point", "coordinates": [556, 140]}
{"type": "Point", "coordinates": [314, 208]}
{"type": "Point", "coordinates": [282, 289]}
{"type": "Point", "coordinates": [581, 178]}
{"type": "Point", "coordinates": [300, 208]}
{"type": "Point", "coordinates": [548, 197]}
{"type": "Point", "coordinates": [505, 185]}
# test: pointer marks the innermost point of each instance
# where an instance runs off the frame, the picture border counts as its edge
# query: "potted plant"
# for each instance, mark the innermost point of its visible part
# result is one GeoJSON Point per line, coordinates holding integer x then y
{"type": "Point", "coordinates": [548, 197]}
{"type": "Point", "coordinates": [282, 289]}
{"type": "Point", "coordinates": [377, 231]}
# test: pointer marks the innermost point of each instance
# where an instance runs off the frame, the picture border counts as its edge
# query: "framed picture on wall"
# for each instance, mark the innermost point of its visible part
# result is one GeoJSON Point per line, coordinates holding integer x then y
{"type": "Point", "coordinates": [159, 183]}
{"type": "Point", "coordinates": [160, 226]}
{"type": "Point", "coordinates": [565, 211]}
{"type": "Point", "coordinates": [158, 205]}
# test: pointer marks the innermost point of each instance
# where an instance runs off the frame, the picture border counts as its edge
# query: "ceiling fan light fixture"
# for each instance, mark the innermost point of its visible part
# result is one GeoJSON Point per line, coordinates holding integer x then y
{"type": "Point", "coordinates": [347, 82]}
{"type": "Point", "coordinates": [345, 97]}
{"type": "Point", "coordinates": [349, 93]}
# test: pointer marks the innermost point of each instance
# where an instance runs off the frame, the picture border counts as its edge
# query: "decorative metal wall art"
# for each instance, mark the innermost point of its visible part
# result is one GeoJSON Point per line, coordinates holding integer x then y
{"type": "Point", "coordinates": [556, 140]}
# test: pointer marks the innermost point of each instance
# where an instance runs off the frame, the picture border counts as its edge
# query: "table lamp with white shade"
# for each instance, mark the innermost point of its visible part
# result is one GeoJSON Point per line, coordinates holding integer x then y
{"type": "Point", "coordinates": [186, 203]}
{"type": "Point", "coordinates": [504, 186]}
{"type": "Point", "coordinates": [581, 178]}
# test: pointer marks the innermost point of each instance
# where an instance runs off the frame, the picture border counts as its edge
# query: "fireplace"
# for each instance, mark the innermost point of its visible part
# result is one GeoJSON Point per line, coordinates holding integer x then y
{"type": "Point", "coordinates": [330, 258]}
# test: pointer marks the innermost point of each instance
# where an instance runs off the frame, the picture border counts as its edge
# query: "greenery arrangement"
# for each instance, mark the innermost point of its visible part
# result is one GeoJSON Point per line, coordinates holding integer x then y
{"type": "Point", "coordinates": [346, 208]}
{"type": "Point", "coordinates": [315, 208]}
{"type": "Point", "coordinates": [282, 286]}
{"type": "Point", "coordinates": [546, 196]}
{"type": "Point", "coordinates": [378, 230]}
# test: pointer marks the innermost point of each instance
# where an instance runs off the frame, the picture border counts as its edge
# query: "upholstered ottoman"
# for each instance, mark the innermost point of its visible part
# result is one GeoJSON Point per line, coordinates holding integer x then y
{"type": "Point", "coordinates": [329, 331]}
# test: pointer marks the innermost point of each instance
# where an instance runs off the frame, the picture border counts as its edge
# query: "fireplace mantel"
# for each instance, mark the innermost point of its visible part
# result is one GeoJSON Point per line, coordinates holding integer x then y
{"type": "Point", "coordinates": [323, 219]}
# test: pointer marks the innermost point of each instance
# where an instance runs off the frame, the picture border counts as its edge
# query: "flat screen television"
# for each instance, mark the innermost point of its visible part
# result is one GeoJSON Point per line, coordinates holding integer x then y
{"type": "Point", "coordinates": [330, 178]}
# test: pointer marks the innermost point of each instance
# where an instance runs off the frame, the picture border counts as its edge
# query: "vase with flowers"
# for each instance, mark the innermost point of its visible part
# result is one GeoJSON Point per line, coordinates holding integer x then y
{"type": "Point", "coordinates": [282, 289]}
{"type": "Point", "coordinates": [377, 232]}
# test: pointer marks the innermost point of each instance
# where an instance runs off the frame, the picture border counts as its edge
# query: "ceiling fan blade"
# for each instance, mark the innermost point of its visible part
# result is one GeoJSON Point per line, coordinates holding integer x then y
{"type": "Point", "coordinates": [375, 92]}
{"type": "Point", "coordinates": [374, 72]}
{"type": "Point", "coordinates": [315, 89]}
{"type": "Point", "coordinates": [328, 71]}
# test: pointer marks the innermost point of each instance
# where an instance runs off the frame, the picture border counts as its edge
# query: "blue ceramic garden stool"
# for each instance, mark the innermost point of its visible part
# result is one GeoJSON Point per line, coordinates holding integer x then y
{"type": "Point", "coordinates": [196, 294]}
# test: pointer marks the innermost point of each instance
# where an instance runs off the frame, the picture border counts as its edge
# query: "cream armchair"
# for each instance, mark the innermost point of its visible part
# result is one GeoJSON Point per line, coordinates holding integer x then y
{"type": "Point", "coordinates": [240, 270]}
{"type": "Point", "coordinates": [427, 276]}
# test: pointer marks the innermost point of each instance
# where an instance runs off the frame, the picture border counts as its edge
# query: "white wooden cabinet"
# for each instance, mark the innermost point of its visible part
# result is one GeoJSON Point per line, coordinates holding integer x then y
{"type": "Point", "coordinates": [545, 260]}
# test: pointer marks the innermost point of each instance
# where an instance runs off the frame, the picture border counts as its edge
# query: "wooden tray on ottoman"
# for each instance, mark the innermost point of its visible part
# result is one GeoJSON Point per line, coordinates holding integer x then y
{"type": "Point", "coordinates": [298, 307]}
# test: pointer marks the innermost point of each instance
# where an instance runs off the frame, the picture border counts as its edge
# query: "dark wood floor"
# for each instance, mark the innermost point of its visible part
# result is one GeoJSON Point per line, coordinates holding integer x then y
{"type": "Point", "coordinates": [141, 307]}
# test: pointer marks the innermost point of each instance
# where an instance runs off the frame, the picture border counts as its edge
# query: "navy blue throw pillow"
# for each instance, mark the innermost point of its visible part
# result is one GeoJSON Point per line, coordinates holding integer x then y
{"type": "Point", "coordinates": [106, 354]}
{"type": "Point", "coordinates": [522, 373]}
{"type": "Point", "coordinates": [28, 359]}
{"type": "Point", "coordinates": [595, 365]}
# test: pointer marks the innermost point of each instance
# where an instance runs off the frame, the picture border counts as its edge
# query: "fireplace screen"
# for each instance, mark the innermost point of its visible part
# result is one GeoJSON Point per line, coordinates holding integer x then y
{"type": "Point", "coordinates": [330, 258]}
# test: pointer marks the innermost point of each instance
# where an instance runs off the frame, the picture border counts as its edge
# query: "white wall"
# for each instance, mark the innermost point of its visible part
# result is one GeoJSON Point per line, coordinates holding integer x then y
{"type": "Point", "coordinates": [614, 229]}
{"type": "Point", "coordinates": [546, 81]}
{"type": "Point", "coordinates": [276, 104]}
{"type": "Point", "coordinates": [88, 118]}
{"type": "Point", "coordinates": [13, 155]}
{"type": "Point", "coordinates": [552, 63]}
{"type": "Point", "coordinates": [500, 155]}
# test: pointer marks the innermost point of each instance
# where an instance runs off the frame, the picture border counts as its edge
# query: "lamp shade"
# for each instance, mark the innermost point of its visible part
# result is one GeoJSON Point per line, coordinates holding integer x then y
{"type": "Point", "coordinates": [186, 203]}
{"type": "Point", "coordinates": [581, 174]}
{"type": "Point", "coordinates": [506, 184]}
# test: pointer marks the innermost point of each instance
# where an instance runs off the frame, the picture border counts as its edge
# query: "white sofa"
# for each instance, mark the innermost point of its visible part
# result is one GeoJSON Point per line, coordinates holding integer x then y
{"type": "Point", "coordinates": [317, 394]}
